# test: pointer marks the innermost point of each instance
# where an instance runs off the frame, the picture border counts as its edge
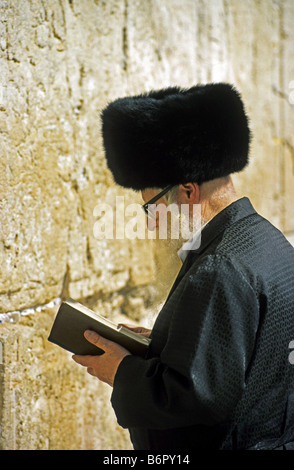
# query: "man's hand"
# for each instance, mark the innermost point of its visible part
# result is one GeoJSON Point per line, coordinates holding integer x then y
{"type": "Point", "coordinates": [138, 329]}
{"type": "Point", "coordinates": [103, 367]}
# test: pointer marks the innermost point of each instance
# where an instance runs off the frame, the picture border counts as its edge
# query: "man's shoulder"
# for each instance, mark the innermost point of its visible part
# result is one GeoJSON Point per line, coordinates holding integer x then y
{"type": "Point", "coordinates": [252, 249]}
{"type": "Point", "coordinates": [213, 267]}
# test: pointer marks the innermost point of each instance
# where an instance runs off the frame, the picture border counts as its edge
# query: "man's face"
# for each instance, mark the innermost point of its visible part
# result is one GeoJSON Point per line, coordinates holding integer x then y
{"type": "Point", "coordinates": [147, 195]}
{"type": "Point", "coordinates": [177, 220]}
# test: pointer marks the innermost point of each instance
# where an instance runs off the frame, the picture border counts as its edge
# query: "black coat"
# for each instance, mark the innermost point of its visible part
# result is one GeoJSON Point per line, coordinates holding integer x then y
{"type": "Point", "coordinates": [217, 374]}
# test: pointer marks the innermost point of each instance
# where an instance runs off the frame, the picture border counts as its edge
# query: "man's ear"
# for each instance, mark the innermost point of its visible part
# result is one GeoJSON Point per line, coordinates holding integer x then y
{"type": "Point", "coordinates": [190, 192]}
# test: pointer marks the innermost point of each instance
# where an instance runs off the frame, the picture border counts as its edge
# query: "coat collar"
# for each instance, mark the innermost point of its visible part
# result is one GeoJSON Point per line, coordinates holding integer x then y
{"type": "Point", "coordinates": [230, 215]}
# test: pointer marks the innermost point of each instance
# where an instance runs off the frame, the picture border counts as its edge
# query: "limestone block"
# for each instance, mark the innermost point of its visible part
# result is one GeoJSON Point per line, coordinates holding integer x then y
{"type": "Point", "coordinates": [48, 401]}
{"type": "Point", "coordinates": [288, 118]}
{"type": "Point", "coordinates": [264, 94]}
{"type": "Point", "coordinates": [51, 158]}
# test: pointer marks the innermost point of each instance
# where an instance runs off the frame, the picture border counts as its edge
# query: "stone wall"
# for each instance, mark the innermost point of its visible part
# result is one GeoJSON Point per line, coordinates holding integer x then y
{"type": "Point", "coordinates": [60, 63]}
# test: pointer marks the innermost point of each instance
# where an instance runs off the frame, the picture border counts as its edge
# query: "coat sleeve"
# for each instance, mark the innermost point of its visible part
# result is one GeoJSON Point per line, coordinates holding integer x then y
{"type": "Point", "coordinates": [200, 374]}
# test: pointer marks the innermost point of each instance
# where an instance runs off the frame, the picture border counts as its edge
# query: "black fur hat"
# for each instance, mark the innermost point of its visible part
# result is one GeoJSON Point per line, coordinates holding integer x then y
{"type": "Point", "coordinates": [175, 136]}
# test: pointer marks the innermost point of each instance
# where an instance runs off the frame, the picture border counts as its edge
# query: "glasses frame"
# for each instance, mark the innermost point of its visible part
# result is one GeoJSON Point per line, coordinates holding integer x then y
{"type": "Point", "coordinates": [152, 201]}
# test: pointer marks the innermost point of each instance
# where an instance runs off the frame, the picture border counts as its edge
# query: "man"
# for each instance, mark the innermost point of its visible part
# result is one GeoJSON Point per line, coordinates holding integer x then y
{"type": "Point", "coordinates": [217, 373]}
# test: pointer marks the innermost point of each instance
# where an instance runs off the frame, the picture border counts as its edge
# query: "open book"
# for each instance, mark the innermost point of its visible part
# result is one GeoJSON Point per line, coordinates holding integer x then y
{"type": "Point", "coordinates": [73, 318]}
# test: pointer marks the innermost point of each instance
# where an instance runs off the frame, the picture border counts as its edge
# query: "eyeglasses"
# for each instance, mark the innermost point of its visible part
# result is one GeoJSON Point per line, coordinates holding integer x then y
{"type": "Point", "coordinates": [146, 207]}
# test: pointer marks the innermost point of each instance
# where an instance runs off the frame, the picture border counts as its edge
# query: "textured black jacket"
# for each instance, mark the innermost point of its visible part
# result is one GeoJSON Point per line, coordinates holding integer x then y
{"type": "Point", "coordinates": [217, 374]}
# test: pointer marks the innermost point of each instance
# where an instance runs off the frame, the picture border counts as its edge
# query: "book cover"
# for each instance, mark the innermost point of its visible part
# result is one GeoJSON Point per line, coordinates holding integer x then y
{"type": "Point", "coordinates": [73, 318]}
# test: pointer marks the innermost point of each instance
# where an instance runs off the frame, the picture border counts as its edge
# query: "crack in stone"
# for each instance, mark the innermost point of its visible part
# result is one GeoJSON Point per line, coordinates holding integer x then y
{"type": "Point", "coordinates": [14, 316]}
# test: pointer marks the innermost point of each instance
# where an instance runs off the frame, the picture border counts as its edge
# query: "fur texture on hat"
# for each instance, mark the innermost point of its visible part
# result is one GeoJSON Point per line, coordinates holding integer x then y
{"type": "Point", "coordinates": [175, 136]}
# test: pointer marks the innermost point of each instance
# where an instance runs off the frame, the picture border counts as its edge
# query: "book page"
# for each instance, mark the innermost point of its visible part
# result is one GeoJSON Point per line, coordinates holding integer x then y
{"type": "Point", "coordinates": [91, 313]}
